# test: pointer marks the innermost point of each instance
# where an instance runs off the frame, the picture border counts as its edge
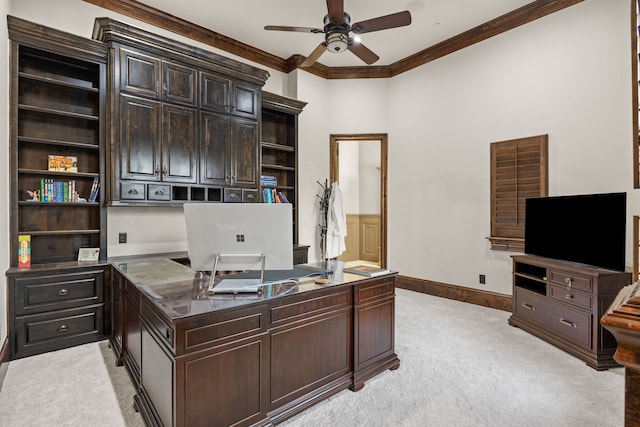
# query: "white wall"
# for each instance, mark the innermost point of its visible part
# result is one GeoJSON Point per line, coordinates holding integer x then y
{"type": "Point", "coordinates": [4, 168]}
{"type": "Point", "coordinates": [567, 75]}
{"type": "Point", "coordinates": [349, 175]}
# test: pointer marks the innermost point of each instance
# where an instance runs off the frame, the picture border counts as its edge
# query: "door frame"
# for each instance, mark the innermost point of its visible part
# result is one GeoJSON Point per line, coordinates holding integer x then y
{"type": "Point", "coordinates": [333, 175]}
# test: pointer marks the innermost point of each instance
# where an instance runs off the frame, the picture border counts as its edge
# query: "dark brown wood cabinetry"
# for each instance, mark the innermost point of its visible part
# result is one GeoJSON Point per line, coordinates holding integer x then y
{"type": "Point", "coordinates": [57, 108]}
{"type": "Point", "coordinates": [562, 303]}
{"type": "Point", "coordinates": [186, 121]}
{"type": "Point", "coordinates": [253, 361]}
{"type": "Point", "coordinates": [279, 147]}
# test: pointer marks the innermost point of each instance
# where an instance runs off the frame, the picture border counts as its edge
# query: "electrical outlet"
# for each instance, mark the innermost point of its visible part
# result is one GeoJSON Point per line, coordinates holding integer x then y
{"type": "Point", "coordinates": [122, 237]}
{"type": "Point", "coordinates": [482, 279]}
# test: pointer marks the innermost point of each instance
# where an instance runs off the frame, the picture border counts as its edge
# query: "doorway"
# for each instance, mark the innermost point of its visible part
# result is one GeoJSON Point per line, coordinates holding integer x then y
{"type": "Point", "coordinates": [358, 162]}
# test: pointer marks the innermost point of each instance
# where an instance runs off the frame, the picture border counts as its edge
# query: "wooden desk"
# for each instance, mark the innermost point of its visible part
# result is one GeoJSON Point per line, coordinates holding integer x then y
{"type": "Point", "coordinates": [220, 360]}
{"type": "Point", "coordinates": [623, 321]}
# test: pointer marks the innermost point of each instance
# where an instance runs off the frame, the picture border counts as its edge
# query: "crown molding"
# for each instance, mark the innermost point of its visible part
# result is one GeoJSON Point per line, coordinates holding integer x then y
{"type": "Point", "coordinates": [523, 15]}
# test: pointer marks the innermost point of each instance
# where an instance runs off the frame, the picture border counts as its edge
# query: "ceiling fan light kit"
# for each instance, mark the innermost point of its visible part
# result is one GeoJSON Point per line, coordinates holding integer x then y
{"type": "Point", "coordinates": [337, 42]}
{"type": "Point", "coordinates": [337, 28]}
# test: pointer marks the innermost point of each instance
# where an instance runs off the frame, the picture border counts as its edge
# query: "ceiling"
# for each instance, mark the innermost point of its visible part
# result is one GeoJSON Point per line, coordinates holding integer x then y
{"type": "Point", "coordinates": [243, 20]}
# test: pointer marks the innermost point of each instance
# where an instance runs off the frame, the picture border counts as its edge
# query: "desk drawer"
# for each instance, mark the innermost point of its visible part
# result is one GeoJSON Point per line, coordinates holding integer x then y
{"type": "Point", "coordinates": [45, 332]}
{"type": "Point", "coordinates": [59, 291]}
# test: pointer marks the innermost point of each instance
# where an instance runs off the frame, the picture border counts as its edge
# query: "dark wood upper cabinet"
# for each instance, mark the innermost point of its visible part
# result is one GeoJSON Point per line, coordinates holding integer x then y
{"type": "Point", "coordinates": [186, 122]}
{"type": "Point", "coordinates": [221, 94]}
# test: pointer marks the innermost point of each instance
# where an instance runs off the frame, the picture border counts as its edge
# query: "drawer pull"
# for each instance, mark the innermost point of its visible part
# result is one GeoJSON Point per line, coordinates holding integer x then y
{"type": "Point", "coordinates": [159, 193]}
{"type": "Point", "coordinates": [568, 296]}
{"type": "Point", "coordinates": [63, 292]}
{"type": "Point", "coordinates": [528, 306]}
{"type": "Point", "coordinates": [249, 196]}
{"type": "Point", "coordinates": [567, 323]}
{"type": "Point", "coordinates": [133, 191]}
{"type": "Point", "coordinates": [63, 328]}
{"type": "Point", "coordinates": [568, 281]}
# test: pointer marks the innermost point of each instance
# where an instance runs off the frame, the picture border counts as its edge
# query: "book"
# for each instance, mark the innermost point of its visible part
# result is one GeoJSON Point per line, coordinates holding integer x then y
{"type": "Point", "coordinates": [24, 251]}
{"type": "Point", "coordinates": [63, 163]}
{"type": "Point", "coordinates": [94, 190]}
{"type": "Point", "coordinates": [367, 270]}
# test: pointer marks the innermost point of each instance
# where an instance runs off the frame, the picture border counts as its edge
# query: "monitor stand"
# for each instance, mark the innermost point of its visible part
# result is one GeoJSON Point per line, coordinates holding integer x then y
{"type": "Point", "coordinates": [237, 285]}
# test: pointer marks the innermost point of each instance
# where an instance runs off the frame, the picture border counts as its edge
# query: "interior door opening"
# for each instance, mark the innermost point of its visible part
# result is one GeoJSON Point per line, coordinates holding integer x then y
{"type": "Point", "coordinates": [359, 165]}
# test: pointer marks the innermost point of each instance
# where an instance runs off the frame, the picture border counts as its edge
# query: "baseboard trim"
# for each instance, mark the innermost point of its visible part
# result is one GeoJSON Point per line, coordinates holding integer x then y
{"type": "Point", "coordinates": [454, 292]}
{"type": "Point", "coordinates": [4, 360]}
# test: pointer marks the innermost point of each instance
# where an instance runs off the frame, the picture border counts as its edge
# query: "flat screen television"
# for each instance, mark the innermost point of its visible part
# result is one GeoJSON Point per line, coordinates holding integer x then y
{"type": "Point", "coordinates": [588, 228]}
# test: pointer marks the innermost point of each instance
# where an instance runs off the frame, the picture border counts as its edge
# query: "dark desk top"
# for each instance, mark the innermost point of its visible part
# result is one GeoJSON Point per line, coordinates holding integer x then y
{"type": "Point", "coordinates": [179, 292]}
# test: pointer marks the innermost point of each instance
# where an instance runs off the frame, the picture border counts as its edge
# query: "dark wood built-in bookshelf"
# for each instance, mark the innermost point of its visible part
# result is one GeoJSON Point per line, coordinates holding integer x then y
{"type": "Point", "coordinates": [57, 108]}
{"type": "Point", "coordinates": [279, 147]}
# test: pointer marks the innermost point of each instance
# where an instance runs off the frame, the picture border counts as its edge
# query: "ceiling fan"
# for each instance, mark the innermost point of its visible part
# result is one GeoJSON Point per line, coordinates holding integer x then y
{"type": "Point", "coordinates": [337, 26]}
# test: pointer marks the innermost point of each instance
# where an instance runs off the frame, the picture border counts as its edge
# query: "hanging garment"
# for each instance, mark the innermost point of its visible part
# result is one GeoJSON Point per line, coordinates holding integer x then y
{"type": "Point", "coordinates": [336, 224]}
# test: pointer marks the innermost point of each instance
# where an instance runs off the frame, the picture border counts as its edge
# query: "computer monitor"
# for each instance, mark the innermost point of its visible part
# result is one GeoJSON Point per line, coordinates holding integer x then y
{"type": "Point", "coordinates": [241, 232]}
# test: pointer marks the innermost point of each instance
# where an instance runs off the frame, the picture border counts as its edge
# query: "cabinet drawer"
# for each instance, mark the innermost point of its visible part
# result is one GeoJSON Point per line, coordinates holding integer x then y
{"type": "Point", "coordinates": [159, 192]}
{"type": "Point", "coordinates": [131, 191]}
{"type": "Point", "coordinates": [572, 297]}
{"type": "Point", "coordinates": [249, 196]}
{"type": "Point", "coordinates": [56, 292]}
{"type": "Point", "coordinates": [577, 281]}
{"type": "Point", "coordinates": [232, 195]}
{"type": "Point", "coordinates": [46, 332]}
{"type": "Point", "coordinates": [559, 319]}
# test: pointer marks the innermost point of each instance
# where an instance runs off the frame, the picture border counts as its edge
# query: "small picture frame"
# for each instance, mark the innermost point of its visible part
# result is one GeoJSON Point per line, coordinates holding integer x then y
{"type": "Point", "coordinates": [88, 254]}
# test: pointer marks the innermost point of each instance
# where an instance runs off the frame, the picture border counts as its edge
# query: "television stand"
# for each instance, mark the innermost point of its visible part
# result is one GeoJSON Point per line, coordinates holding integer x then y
{"type": "Point", "coordinates": [562, 302]}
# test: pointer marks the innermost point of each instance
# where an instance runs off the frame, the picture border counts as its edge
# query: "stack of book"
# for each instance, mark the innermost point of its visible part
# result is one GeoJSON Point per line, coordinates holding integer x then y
{"type": "Point", "coordinates": [57, 191]}
{"type": "Point", "coordinates": [270, 195]}
{"type": "Point", "coordinates": [268, 181]}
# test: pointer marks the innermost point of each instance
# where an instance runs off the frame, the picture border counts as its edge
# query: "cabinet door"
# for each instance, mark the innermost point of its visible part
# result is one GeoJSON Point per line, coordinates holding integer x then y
{"type": "Point", "coordinates": [214, 92]}
{"type": "Point", "coordinates": [139, 73]}
{"type": "Point", "coordinates": [214, 149]}
{"type": "Point", "coordinates": [244, 153]}
{"type": "Point", "coordinates": [244, 100]}
{"type": "Point", "coordinates": [179, 83]}
{"type": "Point", "coordinates": [132, 339]}
{"type": "Point", "coordinates": [179, 144]}
{"type": "Point", "coordinates": [139, 148]}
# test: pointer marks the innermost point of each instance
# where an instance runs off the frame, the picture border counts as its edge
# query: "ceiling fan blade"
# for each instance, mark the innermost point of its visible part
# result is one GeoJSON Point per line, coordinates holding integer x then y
{"type": "Point", "coordinates": [363, 52]}
{"type": "Point", "coordinates": [313, 57]}
{"type": "Point", "coordinates": [336, 11]}
{"type": "Point", "coordinates": [298, 29]}
{"type": "Point", "coordinates": [394, 20]}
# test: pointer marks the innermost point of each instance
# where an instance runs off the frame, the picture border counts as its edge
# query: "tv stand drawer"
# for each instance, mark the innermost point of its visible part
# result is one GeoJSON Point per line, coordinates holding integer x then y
{"type": "Point", "coordinates": [557, 318]}
{"type": "Point", "coordinates": [571, 280]}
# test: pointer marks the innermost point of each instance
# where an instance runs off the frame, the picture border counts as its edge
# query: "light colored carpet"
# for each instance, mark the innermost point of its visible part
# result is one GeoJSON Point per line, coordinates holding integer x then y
{"type": "Point", "coordinates": [460, 365]}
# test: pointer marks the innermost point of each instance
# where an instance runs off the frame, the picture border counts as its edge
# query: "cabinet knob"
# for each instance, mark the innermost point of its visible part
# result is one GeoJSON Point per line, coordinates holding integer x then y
{"type": "Point", "coordinates": [63, 292]}
{"type": "Point", "coordinates": [568, 296]}
{"type": "Point", "coordinates": [164, 171]}
{"type": "Point", "coordinates": [63, 328]}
